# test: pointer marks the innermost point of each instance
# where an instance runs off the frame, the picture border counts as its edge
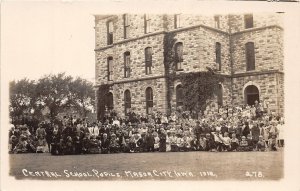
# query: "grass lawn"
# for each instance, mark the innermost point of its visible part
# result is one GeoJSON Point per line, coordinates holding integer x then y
{"type": "Point", "coordinates": [150, 166]}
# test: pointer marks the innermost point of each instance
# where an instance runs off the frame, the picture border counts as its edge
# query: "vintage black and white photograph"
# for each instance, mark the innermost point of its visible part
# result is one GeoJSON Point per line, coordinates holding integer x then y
{"type": "Point", "coordinates": [132, 96]}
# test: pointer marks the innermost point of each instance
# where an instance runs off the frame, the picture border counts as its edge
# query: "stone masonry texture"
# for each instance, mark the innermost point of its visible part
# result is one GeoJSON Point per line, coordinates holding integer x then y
{"type": "Point", "coordinates": [199, 35]}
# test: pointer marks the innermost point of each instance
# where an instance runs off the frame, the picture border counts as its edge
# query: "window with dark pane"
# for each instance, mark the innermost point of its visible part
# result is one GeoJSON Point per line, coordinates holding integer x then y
{"type": "Point", "coordinates": [248, 21]}
{"type": "Point", "coordinates": [148, 60]}
{"type": "Point", "coordinates": [178, 55]}
{"type": "Point", "coordinates": [127, 64]}
{"type": "Point", "coordinates": [127, 100]}
{"type": "Point", "coordinates": [149, 100]}
{"type": "Point", "coordinates": [126, 25]}
{"type": "Point", "coordinates": [110, 65]}
{"type": "Point", "coordinates": [179, 96]}
{"type": "Point", "coordinates": [218, 55]}
{"type": "Point", "coordinates": [110, 32]}
{"type": "Point", "coordinates": [250, 56]}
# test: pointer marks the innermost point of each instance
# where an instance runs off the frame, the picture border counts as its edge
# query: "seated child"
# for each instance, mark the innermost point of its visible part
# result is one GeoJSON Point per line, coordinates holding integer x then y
{"type": "Point", "coordinates": [261, 144]}
{"type": "Point", "coordinates": [21, 147]}
{"type": "Point", "coordinates": [41, 144]}
{"type": "Point", "coordinates": [185, 143]}
{"type": "Point", "coordinates": [126, 146]}
{"type": "Point", "coordinates": [132, 144]}
{"type": "Point", "coordinates": [168, 142]}
{"type": "Point", "coordinates": [114, 145]}
{"type": "Point", "coordinates": [156, 141]}
{"type": "Point", "coordinates": [94, 145]}
{"type": "Point", "coordinates": [173, 142]}
{"type": "Point", "coordinates": [194, 143]}
{"type": "Point", "coordinates": [226, 142]}
{"type": "Point", "coordinates": [218, 140]}
{"type": "Point", "coordinates": [56, 148]}
{"type": "Point", "coordinates": [13, 141]}
{"type": "Point", "coordinates": [105, 144]}
{"type": "Point", "coordinates": [69, 149]}
{"type": "Point", "coordinates": [210, 143]}
{"type": "Point", "coordinates": [77, 143]}
{"type": "Point", "coordinates": [243, 144]}
{"type": "Point", "coordinates": [250, 142]}
{"type": "Point", "coordinates": [272, 143]}
{"type": "Point", "coordinates": [202, 142]}
{"type": "Point", "coordinates": [234, 142]}
{"type": "Point", "coordinates": [85, 144]}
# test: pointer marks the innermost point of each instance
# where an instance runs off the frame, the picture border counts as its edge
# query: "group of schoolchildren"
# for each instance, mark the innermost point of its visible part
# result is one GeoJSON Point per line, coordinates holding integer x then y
{"type": "Point", "coordinates": [238, 130]}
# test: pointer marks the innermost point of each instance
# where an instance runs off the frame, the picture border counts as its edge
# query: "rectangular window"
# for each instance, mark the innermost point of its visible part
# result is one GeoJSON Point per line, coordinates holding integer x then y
{"type": "Point", "coordinates": [178, 55]}
{"type": "Point", "coordinates": [110, 69]}
{"type": "Point", "coordinates": [177, 22]}
{"type": "Point", "coordinates": [248, 21]}
{"type": "Point", "coordinates": [218, 55]}
{"type": "Point", "coordinates": [217, 21]}
{"type": "Point", "coordinates": [127, 65]}
{"type": "Point", "coordinates": [148, 60]}
{"type": "Point", "coordinates": [147, 23]}
{"type": "Point", "coordinates": [126, 25]}
{"type": "Point", "coordinates": [250, 56]}
{"type": "Point", "coordinates": [110, 33]}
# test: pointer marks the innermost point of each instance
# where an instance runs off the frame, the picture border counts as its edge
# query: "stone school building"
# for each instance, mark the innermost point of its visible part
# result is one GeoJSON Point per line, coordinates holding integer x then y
{"type": "Point", "coordinates": [247, 49]}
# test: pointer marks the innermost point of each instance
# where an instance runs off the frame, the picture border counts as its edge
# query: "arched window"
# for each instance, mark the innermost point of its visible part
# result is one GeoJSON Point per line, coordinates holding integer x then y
{"type": "Point", "coordinates": [149, 100]}
{"type": "Point", "coordinates": [179, 96]}
{"type": "Point", "coordinates": [109, 101]}
{"type": "Point", "coordinates": [178, 55]}
{"type": "Point", "coordinates": [110, 65]}
{"type": "Point", "coordinates": [218, 55]}
{"type": "Point", "coordinates": [251, 94]}
{"type": "Point", "coordinates": [220, 95]}
{"type": "Point", "coordinates": [250, 56]}
{"type": "Point", "coordinates": [127, 101]}
{"type": "Point", "coordinates": [126, 64]}
{"type": "Point", "coordinates": [148, 59]}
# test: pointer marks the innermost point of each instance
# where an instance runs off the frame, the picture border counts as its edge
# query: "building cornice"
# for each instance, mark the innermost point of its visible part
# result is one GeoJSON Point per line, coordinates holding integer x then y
{"type": "Point", "coordinates": [132, 80]}
{"type": "Point", "coordinates": [255, 73]}
{"type": "Point", "coordinates": [237, 75]}
{"type": "Point", "coordinates": [256, 29]}
{"type": "Point", "coordinates": [185, 29]}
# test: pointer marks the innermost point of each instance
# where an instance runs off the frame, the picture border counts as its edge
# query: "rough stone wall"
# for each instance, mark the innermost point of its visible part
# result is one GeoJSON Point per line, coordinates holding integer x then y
{"type": "Point", "coordinates": [268, 49]}
{"type": "Point", "coordinates": [138, 95]}
{"type": "Point", "coordinates": [137, 59]}
{"type": "Point", "coordinates": [237, 22]}
{"type": "Point", "coordinates": [198, 53]}
{"type": "Point", "coordinates": [267, 86]}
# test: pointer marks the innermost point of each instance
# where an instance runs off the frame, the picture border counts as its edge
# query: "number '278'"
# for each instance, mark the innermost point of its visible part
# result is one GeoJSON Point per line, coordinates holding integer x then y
{"type": "Point", "coordinates": [254, 174]}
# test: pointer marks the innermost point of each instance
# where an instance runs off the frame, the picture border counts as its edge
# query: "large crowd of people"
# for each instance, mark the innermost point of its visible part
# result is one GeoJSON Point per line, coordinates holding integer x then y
{"type": "Point", "coordinates": [218, 129]}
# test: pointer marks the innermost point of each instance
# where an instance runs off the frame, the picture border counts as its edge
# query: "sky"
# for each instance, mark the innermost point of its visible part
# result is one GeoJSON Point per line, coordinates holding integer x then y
{"type": "Point", "coordinates": [44, 38]}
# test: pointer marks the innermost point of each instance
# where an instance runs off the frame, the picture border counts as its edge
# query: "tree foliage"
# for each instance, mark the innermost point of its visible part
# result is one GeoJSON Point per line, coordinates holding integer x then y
{"type": "Point", "coordinates": [52, 93]}
{"type": "Point", "coordinates": [198, 88]}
